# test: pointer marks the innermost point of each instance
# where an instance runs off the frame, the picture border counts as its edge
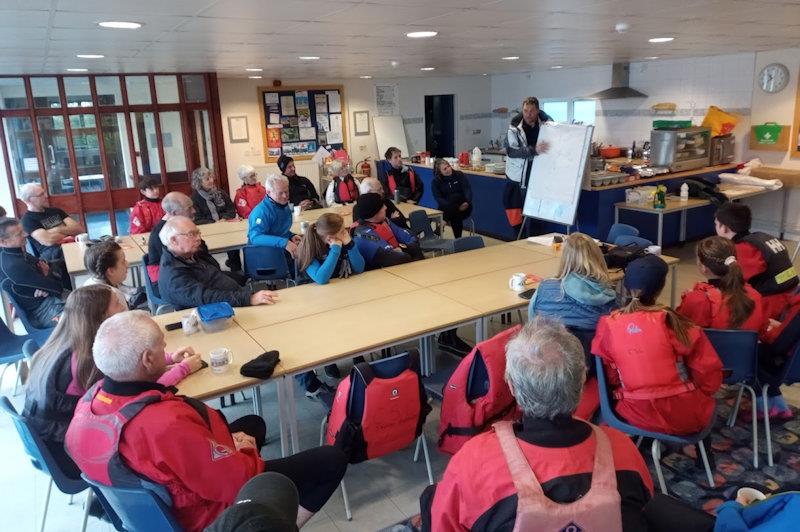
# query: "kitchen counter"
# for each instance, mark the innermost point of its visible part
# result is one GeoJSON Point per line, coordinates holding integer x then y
{"type": "Point", "coordinates": [466, 170]}
{"type": "Point", "coordinates": [672, 175]}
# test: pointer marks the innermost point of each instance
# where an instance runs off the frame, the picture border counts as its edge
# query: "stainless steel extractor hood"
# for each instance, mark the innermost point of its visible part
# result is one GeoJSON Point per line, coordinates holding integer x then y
{"type": "Point", "coordinates": [620, 78]}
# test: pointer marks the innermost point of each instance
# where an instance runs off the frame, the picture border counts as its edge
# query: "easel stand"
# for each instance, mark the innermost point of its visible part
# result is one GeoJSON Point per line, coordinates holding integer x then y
{"type": "Point", "coordinates": [525, 221]}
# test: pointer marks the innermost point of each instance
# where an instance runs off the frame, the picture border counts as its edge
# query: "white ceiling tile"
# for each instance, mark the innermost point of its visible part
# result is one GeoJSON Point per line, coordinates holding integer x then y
{"type": "Point", "coordinates": [138, 7]}
{"type": "Point", "coordinates": [276, 9]}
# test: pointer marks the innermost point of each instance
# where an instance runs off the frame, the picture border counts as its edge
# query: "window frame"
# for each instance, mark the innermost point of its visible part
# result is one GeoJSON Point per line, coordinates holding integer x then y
{"type": "Point", "coordinates": [570, 106]}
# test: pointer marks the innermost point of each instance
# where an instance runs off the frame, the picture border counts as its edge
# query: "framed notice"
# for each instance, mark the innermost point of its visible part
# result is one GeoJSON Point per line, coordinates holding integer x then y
{"type": "Point", "coordinates": [360, 123]}
{"type": "Point", "coordinates": [237, 129]}
{"type": "Point", "coordinates": [296, 121]}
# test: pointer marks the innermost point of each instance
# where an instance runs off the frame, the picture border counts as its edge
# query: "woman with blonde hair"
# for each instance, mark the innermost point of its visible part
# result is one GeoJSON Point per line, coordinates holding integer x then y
{"type": "Point", "coordinates": [581, 291]}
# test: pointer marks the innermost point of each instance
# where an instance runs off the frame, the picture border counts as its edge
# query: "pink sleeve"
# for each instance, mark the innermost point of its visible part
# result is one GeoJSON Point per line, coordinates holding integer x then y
{"type": "Point", "coordinates": [175, 374]}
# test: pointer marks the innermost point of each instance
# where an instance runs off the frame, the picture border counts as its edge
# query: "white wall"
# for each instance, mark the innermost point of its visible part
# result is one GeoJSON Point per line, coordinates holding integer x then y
{"type": "Point", "coordinates": [239, 97]}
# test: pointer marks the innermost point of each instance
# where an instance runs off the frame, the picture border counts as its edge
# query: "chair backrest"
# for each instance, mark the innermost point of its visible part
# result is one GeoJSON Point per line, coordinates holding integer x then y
{"type": "Point", "coordinates": [619, 230]}
{"type": "Point", "coordinates": [153, 301]}
{"type": "Point", "coordinates": [607, 413]}
{"type": "Point", "coordinates": [38, 453]}
{"type": "Point", "coordinates": [383, 369]}
{"type": "Point", "coordinates": [585, 336]}
{"type": "Point", "coordinates": [626, 240]}
{"type": "Point", "coordinates": [263, 263]}
{"type": "Point", "coordinates": [738, 351]}
{"type": "Point", "coordinates": [466, 243]}
{"type": "Point", "coordinates": [477, 379]}
{"type": "Point", "coordinates": [8, 287]}
{"type": "Point", "coordinates": [420, 224]}
{"type": "Point", "coordinates": [137, 508]}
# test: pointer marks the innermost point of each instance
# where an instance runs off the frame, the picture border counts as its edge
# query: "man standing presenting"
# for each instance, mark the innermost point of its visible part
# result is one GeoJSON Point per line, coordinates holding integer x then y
{"type": "Point", "coordinates": [522, 145]}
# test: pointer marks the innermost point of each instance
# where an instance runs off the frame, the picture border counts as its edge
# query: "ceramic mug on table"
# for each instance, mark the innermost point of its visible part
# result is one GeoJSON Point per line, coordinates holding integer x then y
{"type": "Point", "coordinates": [517, 282]}
{"type": "Point", "coordinates": [219, 359]}
{"type": "Point", "coordinates": [297, 209]}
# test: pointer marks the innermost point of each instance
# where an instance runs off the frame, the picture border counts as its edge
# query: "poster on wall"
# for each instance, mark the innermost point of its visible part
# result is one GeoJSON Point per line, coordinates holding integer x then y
{"type": "Point", "coordinates": [386, 100]}
{"type": "Point", "coordinates": [323, 124]}
{"type": "Point", "coordinates": [300, 148]}
{"type": "Point", "coordinates": [335, 135]}
{"type": "Point", "coordinates": [271, 99]}
{"type": "Point", "coordinates": [321, 103]}
{"type": "Point", "coordinates": [334, 102]}
{"type": "Point", "coordinates": [290, 134]}
{"type": "Point", "coordinates": [274, 117]}
{"type": "Point", "coordinates": [301, 99]}
{"type": "Point", "coordinates": [308, 133]}
{"type": "Point", "coordinates": [303, 117]}
{"type": "Point", "coordinates": [287, 105]}
{"type": "Point", "coordinates": [274, 141]}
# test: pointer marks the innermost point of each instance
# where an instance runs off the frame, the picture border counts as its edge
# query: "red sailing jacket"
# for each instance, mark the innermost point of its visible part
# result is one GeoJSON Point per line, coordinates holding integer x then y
{"type": "Point", "coordinates": [705, 306]}
{"type": "Point", "coordinates": [164, 438]}
{"type": "Point", "coordinates": [392, 413]}
{"type": "Point", "coordinates": [660, 384]}
{"type": "Point", "coordinates": [144, 215]}
{"type": "Point", "coordinates": [345, 189]}
{"type": "Point", "coordinates": [247, 197]}
{"type": "Point", "coordinates": [467, 412]}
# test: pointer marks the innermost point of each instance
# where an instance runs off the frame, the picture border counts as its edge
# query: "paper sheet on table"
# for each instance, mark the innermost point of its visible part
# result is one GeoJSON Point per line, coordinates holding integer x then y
{"type": "Point", "coordinates": [321, 103]}
{"type": "Point", "coordinates": [547, 240]}
{"type": "Point", "coordinates": [287, 105]}
{"type": "Point", "coordinates": [323, 123]}
{"type": "Point", "coordinates": [271, 98]}
{"type": "Point", "coordinates": [308, 133]}
{"type": "Point", "coordinates": [334, 102]}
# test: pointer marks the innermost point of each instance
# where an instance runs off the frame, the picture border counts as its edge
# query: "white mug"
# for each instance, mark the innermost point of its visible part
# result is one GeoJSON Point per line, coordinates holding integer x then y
{"type": "Point", "coordinates": [517, 282]}
{"type": "Point", "coordinates": [220, 358]}
{"type": "Point", "coordinates": [297, 210]}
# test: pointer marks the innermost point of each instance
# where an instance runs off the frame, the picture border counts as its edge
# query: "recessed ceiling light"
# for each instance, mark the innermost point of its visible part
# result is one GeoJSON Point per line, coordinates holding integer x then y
{"type": "Point", "coordinates": [119, 25]}
{"type": "Point", "coordinates": [556, 67]}
{"type": "Point", "coordinates": [308, 57]}
{"type": "Point", "coordinates": [255, 77]}
{"type": "Point", "coordinates": [651, 57]}
{"type": "Point", "coordinates": [254, 69]}
{"type": "Point", "coordinates": [90, 56]}
{"type": "Point", "coordinates": [77, 70]}
{"type": "Point", "coordinates": [365, 77]}
{"type": "Point", "coordinates": [421, 34]}
{"type": "Point", "coordinates": [661, 39]}
{"type": "Point", "coordinates": [428, 69]}
{"type": "Point", "coordinates": [484, 74]}
{"type": "Point", "coordinates": [510, 58]}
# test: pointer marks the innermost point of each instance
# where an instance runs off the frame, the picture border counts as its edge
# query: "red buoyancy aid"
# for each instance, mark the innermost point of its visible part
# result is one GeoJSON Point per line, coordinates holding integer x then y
{"type": "Point", "coordinates": [462, 418]}
{"type": "Point", "coordinates": [345, 190]}
{"type": "Point", "coordinates": [412, 181]}
{"type": "Point", "coordinates": [785, 336]}
{"type": "Point", "coordinates": [144, 215]}
{"type": "Point", "coordinates": [392, 411]}
{"type": "Point", "coordinates": [643, 356]}
{"type": "Point", "coordinates": [780, 274]}
{"type": "Point", "coordinates": [384, 230]}
{"type": "Point", "coordinates": [247, 197]}
{"type": "Point", "coordinates": [721, 316]}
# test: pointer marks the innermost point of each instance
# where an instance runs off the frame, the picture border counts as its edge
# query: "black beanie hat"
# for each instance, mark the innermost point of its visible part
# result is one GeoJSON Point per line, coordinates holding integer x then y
{"type": "Point", "coordinates": [647, 274]}
{"type": "Point", "coordinates": [368, 205]}
{"type": "Point", "coordinates": [283, 162]}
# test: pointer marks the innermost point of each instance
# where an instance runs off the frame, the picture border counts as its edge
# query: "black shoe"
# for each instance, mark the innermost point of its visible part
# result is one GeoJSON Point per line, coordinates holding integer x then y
{"type": "Point", "coordinates": [317, 387]}
{"type": "Point", "coordinates": [448, 342]}
{"type": "Point", "coordinates": [332, 371]}
{"type": "Point", "coordinates": [460, 344]}
{"type": "Point", "coordinates": [358, 360]}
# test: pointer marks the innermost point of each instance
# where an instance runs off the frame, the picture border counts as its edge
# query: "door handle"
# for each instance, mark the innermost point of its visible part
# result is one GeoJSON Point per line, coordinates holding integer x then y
{"type": "Point", "coordinates": [52, 154]}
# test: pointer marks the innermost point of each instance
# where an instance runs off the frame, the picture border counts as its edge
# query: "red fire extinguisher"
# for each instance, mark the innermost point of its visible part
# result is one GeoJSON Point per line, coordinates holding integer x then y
{"type": "Point", "coordinates": [365, 168]}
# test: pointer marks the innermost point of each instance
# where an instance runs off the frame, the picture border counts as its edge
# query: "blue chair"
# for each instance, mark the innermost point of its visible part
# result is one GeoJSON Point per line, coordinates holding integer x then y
{"type": "Point", "coordinates": [264, 263]}
{"type": "Point", "coordinates": [42, 460]}
{"type": "Point", "coordinates": [13, 349]}
{"type": "Point", "coordinates": [618, 230]}
{"type": "Point", "coordinates": [40, 335]}
{"type": "Point", "coordinates": [156, 304]}
{"type": "Point", "coordinates": [428, 240]}
{"type": "Point", "coordinates": [585, 337]}
{"type": "Point", "coordinates": [467, 243]}
{"type": "Point", "coordinates": [626, 240]}
{"type": "Point", "coordinates": [790, 374]}
{"type": "Point", "coordinates": [738, 351]}
{"type": "Point", "coordinates": [137, 508]}
{"type": "Point", "coordinates": [609, 416]}
{"type": "Point", "coordinates": [386, 368]}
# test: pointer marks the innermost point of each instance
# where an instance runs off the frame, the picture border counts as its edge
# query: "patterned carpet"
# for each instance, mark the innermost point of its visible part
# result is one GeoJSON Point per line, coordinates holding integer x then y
{"type": "Point", "coordinates": [734, 463]}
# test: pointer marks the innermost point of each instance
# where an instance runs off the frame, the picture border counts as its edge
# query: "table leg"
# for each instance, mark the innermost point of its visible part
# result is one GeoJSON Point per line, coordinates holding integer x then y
{"type": "Point", "coordinates": [137, 276]}
{"type": "Point", "coordinates": [258, 408]}
{"type": "Point", "coordinates": [282, 421]}
{"type": "Point", "coordinates": [423, 349]}
{"type": "Point", "coordinates": [673, 296]}
{"type": "Point", "coordinates": [616, 214]}
{"type": "Point", "coordinates": [292, 414]}
{"type": "Point", "coordinates": [783, 211]}
{"type": "Point", "coordinates": [431, 366]}
{"type": "Point", "coordinates": [481, 329]}
{"type": "Point", "coordinates": [682, 236]}
{"type": "Point", "coordinates": [660, 228]}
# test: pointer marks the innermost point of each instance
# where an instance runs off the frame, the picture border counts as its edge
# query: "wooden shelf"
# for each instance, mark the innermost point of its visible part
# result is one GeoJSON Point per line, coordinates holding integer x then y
{"type": "Point", "coordinates": [666, 177]}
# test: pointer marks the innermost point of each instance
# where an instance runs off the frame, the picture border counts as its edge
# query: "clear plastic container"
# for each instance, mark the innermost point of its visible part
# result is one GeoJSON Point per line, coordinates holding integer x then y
{"type": "Point", "coordinates": [217, 325]}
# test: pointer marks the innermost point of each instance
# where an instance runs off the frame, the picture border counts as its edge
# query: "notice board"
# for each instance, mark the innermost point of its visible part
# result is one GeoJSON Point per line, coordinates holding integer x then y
{"type": "Point", "coordinates": [296, 121]}
{"type": "Point", "coordinates": [554, 188]}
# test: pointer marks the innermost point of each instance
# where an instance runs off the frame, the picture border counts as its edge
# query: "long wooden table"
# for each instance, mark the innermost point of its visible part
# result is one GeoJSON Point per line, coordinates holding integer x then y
{"type": "Point", "coordinates": [74, 252]}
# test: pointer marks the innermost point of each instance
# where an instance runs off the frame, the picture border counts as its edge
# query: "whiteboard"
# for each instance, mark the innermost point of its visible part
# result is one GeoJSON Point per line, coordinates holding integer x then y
{"type": "Point", "coordinates": [389, 131]}
{"type": "Point", "coordinates": [556, 177]}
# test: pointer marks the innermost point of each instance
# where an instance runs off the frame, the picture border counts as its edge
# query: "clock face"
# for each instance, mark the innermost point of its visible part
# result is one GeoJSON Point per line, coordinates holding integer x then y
{"type": "Point", "coordinates": [773, 78]}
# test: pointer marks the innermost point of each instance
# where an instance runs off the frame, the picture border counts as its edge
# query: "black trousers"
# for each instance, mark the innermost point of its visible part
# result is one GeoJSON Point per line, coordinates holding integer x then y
{"type": "Point", "coordinates": [456, 217]}
{"type": "Point", "coordinates": [315, 472]}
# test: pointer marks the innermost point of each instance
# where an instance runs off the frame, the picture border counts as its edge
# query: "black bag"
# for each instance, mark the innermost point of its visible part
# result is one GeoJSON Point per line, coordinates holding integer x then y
{"type": "Point", "coordinates": [700, 188]}
{"type": "Point", "coordinates": [621, 256]}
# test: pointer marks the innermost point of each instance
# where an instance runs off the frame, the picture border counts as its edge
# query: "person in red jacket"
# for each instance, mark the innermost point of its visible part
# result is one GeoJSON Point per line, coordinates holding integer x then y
{"type": "Point", "coordinates": [545, 371]}
{"type": "Point", "coordinates": [662, 368]}
{"type": "Point", "coordinates": [128, 426]}
{"type": "Point", "coordinates": [147, 211]}
{"type": "Point", "coordinates": [250, 193]}
{"type": "Point", "coordinates": [764, 260]}
{"type": "Point", "coordinates": [725, 301]}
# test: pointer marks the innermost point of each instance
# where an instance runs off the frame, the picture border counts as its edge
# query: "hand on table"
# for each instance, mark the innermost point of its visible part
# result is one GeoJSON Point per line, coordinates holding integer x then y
{"type": "Point", "coordinates": [182, 353]}
{"type": "Point", "coordinates": [305, 204]}
{"type": "Point", "coordinates": [195, 363]}
{"type": "Point", "coordinates": [264, 297]}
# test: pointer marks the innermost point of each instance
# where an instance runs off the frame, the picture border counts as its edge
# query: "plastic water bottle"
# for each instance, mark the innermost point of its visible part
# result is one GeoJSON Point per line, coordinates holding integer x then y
{"type": "Point", "coordinates": [476, 156]}
{"type": "Point", "coordinates": [684, 192]}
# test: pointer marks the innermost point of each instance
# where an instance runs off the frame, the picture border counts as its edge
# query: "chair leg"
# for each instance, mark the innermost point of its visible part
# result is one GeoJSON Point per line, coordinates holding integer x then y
{"type": "Point", "coordinates": [416, 448]}
{"type": "Point", "coordinates": [704, 456]}
{"type": "Point", "coordinates": [19, 376]}
{"type": "Point", "coordinates": [735, 411]}
{"type": "Point", "coordinates": [46, 503]}
{"type": "Point", "coordinates": [639, 441]}
{"type": "Point", "coordinates": [346, 502]}
{"type": "Point", "coordinates": [767, 431]}
{"type": "Point", "coordinates": [88, 503]}
{"type": "Point", "coordinates": [427, 459]}
{"type": "Point", "coordinates": [656, 452]}
{"type": "Point", "coordinates": [519, 315]}
{"type": "Point", "coordinates": [322, 431]}
{"type": "Point", "coordinates": [754, 400]}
